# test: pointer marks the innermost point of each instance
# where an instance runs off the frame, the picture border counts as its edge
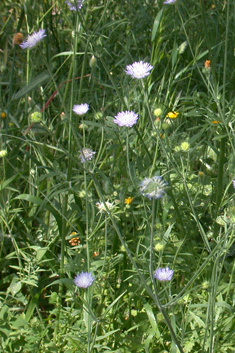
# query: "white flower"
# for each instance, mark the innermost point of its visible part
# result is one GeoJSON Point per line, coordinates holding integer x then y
{"type": "Point", "coordinates": [81, 109]}
{"type": "Point", "coordinates": [167, 2]}
{"type": "Point", "coordinates": [33, 39]}
{"type": "Point", "coordinates": [126, 118]}
{"type": "Point", "coordinates": [74, 5]}
{"type": "Point", "coordinates": [234, 183]}
{"type": "Point", "coordinates": [102, 208]}
{"type": "Point", "coordinates": [153, 188]}
{"type": "Point", "coordinates": [163, 274]}
{"type": "Point", "coordinates": [84, 279]}
{"type": "Point", "coordinates": [86, 154]}
{"type": "Point", "coordinates": [138, 69]}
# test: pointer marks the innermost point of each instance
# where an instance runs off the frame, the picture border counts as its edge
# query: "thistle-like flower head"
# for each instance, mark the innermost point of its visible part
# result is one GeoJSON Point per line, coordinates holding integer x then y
{"type": "Point", "coordinates": [86, 154]}
{"type": "Point", "coordinates": [163, 274]}
{"type": "Point", "coordinates": [138, 69]}
{"type": "Point", "coordinates": [127, 118]}
{"type": "Point", "coordinates": [33, 39]}
{"type": "Point", "coordinates": [81, 109]}
{"type": "Point", "coordinates": [74, 5]}
{"type": "Point", "coordinates": [84, 279]}
{"type": "Point", "coordinates": [153, 188]}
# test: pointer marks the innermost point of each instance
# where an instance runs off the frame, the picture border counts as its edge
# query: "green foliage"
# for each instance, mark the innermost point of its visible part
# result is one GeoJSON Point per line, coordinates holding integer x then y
{"type": "Point", "coordinates": [61, 216]}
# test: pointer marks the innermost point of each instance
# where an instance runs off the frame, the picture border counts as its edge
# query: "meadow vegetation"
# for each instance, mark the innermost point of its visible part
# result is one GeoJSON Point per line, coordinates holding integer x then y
{"type": "Point", "coordinates": [117, 161]}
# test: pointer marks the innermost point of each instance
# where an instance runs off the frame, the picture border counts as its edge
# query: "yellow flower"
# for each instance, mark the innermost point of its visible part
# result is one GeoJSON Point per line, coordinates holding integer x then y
{"type": "Point", "coordinates": [172, 115]}
{"type": "Point", "coordinates": [36, 117]}
{"type": "Point", "coordinates": [157, 112]}
{"type": "Point", "coordinates": [3, 115]}
{"type": "Point", "coordinates": [3, 153]}
{"type": "Point", "coordinates": [158, 247]}
{"type": "Point", "coordinates": [129, 200]}
{"type": "Point", "coordinates": [215, 122]}
{"type": "Point", "coordinates": [207, 64]}
{"type": "Point", "coordinates": [184, 146]}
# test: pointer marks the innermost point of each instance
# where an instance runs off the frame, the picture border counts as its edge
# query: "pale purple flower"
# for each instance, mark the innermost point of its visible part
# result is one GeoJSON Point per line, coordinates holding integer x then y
{"type": "Point", "coordinates": [153, 188]}
{"type": "Point", "coordinates": [126, 118]}
{"type": "Point", "coordinates": [86, 154]}
{"type": "Point", "coordinates": [163, 274]}
{"type": "Point", "coordinates": [33, 39]}
{"type": "Point", "coordinates": [138, 69]}
{"type": "Point", "coordinates": [81, 109]}
{"type": "Point", "coordinates": [167, 2]}
{"type": "Point", "coordinates": [84, 279]}
{"type": "Point", "coordinates": [234, 183]}
{"type": "Point", "coordinates": [74, 5]}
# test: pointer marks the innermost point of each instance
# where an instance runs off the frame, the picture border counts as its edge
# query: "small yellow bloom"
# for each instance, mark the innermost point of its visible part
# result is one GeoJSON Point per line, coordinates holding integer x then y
{"type": "Point", "coordinates": [129, 200]}
{"type": "Point", "coordinates": [172, 115]}
{"type": "Point", "coordinates": [3, 153]}
{"type": "Point", "coordinates": [201, 174]}
{"type": "Point", "coordinates": [36, 117]}
{"type": "Point", "coordinates": [158, 247]}
{"type": "Point", "coordinates": [3, 115]}
{"type": "Point", "coordinates": [185, 146]}
{"type": "Point", "coordinates": [215, 122]}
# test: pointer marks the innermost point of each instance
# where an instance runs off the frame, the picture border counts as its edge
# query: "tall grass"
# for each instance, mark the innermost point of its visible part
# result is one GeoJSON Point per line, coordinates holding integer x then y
{"type": "Point", "coordinates": [61, 216]}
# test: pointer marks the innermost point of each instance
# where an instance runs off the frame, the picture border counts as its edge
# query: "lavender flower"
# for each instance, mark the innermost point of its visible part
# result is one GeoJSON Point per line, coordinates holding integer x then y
{"type": "Point", "coordinates": [34, 39]}
{"type": "Point", "coordinates": [153, 188]}
{"type": "Point", "coordinates": [163, 274]}
{"type": "Point", "coordinates": [126, 118]}
{"type": "Point", "coordinates": [86, 154]}
{"type": "Point", "coordinates": [74, 5]}
{"type": "Point", "coordinates": [167, 2]}
{"type": "Point", "coordinates": [138, 69]}
{"type": "Point", "coordinates": [84, 279]}
{"type": "Point", "coordinates": [81, 109]}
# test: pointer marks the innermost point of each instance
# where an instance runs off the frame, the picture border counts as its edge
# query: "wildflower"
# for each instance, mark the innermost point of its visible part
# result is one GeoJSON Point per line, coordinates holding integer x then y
{"type": "Point", "coordinates": [185, 146]}
{"type": "Point", "coordinates": [86, 154]}
{"type": "Point", "coordinates": [102, 206]}
{"type": "Point", "coordinates": [153, 187]}
{"type": "Point", "coordinates": [34, 39]}
{"type": "Point", "coordinates": [167, 2]}
{"type": "Point", "coordinates": [233, 181]}
{"type": "Point", "coordinates": [163, 274]}
{"type": "Point", "coordinates": [84, 279]}
{"type": "Point", "coordinates": [207, 64]}
{"type": "Point", "coordinates": [17, 38]}
{"type": "Point", "coordinates": [157, 112]}
{"type": "Point", "coordinates": [3, 115]}
{"type": "Point", "coordinates": [138, 69]}
{"type": "Point", "coordinates": [74, 5]}
{"type": "Point", "coordinates": [36, 117]}
{"type": "Point", "coordinates": [3, 153]}
{"type": "Point", "coordinates": [172, 115]}
{"type": "Point", "coordinates": [205, 285]}
{"type": "Point", "coordinates": [129, 200]}
{"type": "Point", "coordinates": [74, 241]}
{"type": "Point", "coordinates": [158, 246]}
{"type": "Point", "coordinates": [126, 118]}
{"type": "Point", "coordinates": [200, 174]}
{"type": "Point", "coordinates": [81, 109]}
{"type": "Point", "coordinates": [215, 122]}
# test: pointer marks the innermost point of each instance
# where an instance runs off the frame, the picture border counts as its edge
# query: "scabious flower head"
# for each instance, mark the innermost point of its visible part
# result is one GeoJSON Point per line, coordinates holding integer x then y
{"type": "Point", "coordinates": [102, 208]}
{"type": "Point", "coordinates": [167, 2]}
{"type": "Point", "coordinates": [163, 274]}
{"type": "Point", "coordinates": [84, 279]}
{"type": "Point", "coordinates": [81, 109]}
{"type": "Point", "coordinates": [138, 69]}
{"type": "Point", "coordinates": [86, 154]}
{"type": "Point", "coordinates": [153, 188]}
{"type": "Point", "coordinates": [74, 5]}
{"type": "Point", "coordinates": [126, 118]}
{"type": "Point", "coordinates": [34, 39]}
